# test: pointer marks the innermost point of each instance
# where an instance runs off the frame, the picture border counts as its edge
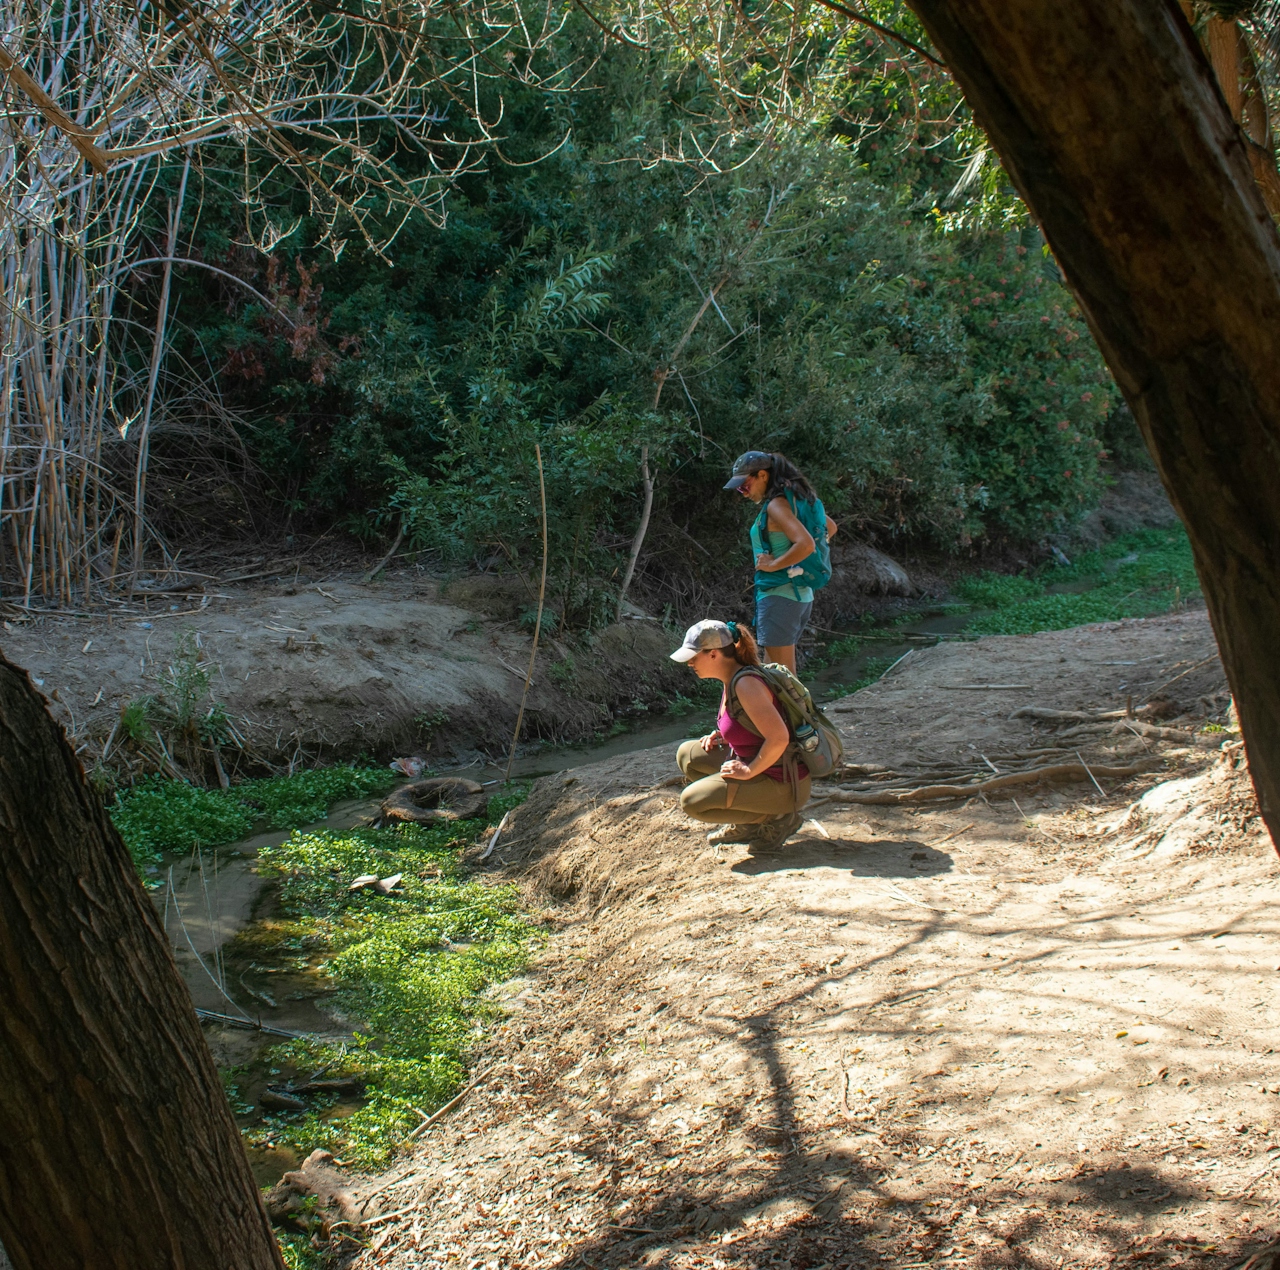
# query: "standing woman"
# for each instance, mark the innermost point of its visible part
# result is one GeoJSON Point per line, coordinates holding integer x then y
{"type": "Point", "coordinates": [785, 564]}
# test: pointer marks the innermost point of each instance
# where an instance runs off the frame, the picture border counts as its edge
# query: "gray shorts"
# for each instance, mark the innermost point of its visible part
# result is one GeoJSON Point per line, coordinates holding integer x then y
{"type": "Point", "coordinates": [779, 621]}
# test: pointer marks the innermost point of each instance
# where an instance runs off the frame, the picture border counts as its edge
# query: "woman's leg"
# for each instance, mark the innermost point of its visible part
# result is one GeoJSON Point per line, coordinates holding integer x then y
{"type": "Point", "coordinates": [694, 761]}
{"type": "Point", "coordinates": [771, 798]}
{"type": "Point", "coordinates": [718, 801]}
{"type": "Point", "coordinates": [709, 800]}
{"type": "Point", "coordinates": [784, 655]}
{"type": "Point", "coordinates": [779, 624]}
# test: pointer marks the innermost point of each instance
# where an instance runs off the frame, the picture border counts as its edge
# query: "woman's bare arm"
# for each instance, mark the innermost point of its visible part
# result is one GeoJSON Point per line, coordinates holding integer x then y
{"type": "Point", "coordinates": [758, 702]}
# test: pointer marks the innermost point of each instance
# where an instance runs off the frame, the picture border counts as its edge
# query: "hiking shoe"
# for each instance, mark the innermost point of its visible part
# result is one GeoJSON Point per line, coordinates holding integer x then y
{"type": "Point", "coordinates": [733, 833]}
{"type": "Point", "coordinates": [773, 833]}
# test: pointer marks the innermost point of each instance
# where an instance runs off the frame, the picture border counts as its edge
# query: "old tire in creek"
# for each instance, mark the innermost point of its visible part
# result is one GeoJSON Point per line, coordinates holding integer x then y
{"type": "Point", "coordinates": [441, 798]}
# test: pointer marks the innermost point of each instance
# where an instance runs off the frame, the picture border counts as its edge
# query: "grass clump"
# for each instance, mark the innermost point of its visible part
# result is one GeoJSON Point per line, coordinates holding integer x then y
{"type": "Point", "coordinates": [412, 967]}
{"type": "Point", "coordinates": [160, 815]}
{"type": "Point", "coordinates": [1138, 575]}
{"type": "Point", "coordinates": [299, 1253]}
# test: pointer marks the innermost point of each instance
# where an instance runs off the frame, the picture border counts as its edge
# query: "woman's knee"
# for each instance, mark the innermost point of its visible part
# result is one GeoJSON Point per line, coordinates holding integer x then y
{"type": "Point", "coordinates": [694, 761]}
{"type": "Point", "coordinates": [688, 755]}
{"type": "Point", "coordinates": [701, 797]}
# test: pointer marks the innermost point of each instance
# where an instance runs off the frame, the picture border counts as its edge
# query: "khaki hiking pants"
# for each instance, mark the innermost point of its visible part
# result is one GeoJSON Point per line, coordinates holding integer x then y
{"type": "Point", "coordinates": [721, 802]}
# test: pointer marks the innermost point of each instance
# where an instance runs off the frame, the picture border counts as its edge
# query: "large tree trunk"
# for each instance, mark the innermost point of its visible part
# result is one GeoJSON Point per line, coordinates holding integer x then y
{"type": "Point", "coordinates": [117, 1147]}
{"type": "Point", "coordinates": [1110, 123]}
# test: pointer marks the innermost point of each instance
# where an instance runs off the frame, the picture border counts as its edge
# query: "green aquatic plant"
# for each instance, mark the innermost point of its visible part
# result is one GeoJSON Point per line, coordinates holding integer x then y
{"type": "Point", "coordinates": [159, 815]}
{"type": "Point", "coordinates": [412, 966]}
{"type": "Point", "coordinates": [284, 802]}
{"type": "Point", "coordinates": [1138, 575]}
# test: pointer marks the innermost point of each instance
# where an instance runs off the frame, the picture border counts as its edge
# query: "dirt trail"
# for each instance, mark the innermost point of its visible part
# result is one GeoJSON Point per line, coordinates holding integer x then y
{"type": "Point", "coordinates": [336, 668]}
{"type": "Point", "coordinates": [967, 1035]}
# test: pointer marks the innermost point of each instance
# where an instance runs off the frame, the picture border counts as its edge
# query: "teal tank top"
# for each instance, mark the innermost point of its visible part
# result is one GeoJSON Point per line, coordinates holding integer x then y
{"type": "Point", "coordinates": [778, 543]}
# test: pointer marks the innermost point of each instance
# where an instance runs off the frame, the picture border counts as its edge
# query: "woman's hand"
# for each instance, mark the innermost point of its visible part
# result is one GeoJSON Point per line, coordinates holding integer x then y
{"type": "Point", "coordinates": [735, 770]}
{"type": "Point", "coordinates": [766, 563]}
{"type": "Point", "coordinates": [713, 741]}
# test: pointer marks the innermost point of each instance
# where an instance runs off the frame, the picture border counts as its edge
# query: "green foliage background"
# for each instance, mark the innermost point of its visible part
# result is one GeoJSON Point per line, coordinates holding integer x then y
{"type": "Point", "coordinates": [899, 334]}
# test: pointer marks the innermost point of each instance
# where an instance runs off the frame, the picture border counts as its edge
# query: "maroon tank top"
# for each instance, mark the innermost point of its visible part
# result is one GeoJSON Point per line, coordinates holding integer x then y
{"type": "Point", "coordinates": [745, 744]}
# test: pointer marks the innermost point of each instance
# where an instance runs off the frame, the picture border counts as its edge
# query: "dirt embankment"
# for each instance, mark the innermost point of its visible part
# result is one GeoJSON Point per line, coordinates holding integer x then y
{"type": "Point", "coordinates": [978, 1033]}
{"type": "Point", "coordinates": [326, 666]}
{"type": "Point", "coordinates": [336, 668]}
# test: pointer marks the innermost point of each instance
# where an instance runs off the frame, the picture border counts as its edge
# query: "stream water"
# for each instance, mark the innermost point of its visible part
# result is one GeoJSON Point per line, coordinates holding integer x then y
{"type": "Point", "coordinates": [210, 897]}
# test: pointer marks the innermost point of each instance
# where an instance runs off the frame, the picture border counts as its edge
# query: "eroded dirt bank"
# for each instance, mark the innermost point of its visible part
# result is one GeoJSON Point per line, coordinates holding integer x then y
{"type": "Point", "coordinates": [978, 1033]}
{"type": "Point", "coordinates": [337, 668]}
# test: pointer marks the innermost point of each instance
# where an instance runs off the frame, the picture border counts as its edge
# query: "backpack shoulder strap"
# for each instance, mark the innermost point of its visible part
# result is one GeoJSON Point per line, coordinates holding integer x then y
{"type": "Point", "coordinates": [736, 709]}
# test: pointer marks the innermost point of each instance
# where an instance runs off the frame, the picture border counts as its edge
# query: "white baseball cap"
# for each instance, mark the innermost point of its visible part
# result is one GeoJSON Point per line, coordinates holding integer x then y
{"type": "Point", "coordinates": [703, 635]}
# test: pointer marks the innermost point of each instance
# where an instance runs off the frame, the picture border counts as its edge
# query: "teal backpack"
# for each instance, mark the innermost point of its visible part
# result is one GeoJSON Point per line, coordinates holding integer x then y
{"type": "Point", "coordinates": [815, 569]}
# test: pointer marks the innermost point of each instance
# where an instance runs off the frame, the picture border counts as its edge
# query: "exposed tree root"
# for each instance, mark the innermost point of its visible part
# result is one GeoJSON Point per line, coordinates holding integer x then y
{"type": "Point", "coordinates": [1055, 771]}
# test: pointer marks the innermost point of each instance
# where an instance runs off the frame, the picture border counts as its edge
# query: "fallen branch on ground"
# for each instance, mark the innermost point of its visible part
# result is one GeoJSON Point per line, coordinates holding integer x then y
{"type": "Point", "coordinates": [1065, 716]}
{"type": "Point", "coordinates": [1169, 682]}
{"type": "Point", "coordinates": [250, 1025]}
{"type": "Point", "coordinates": [497, 833]}
{"type": "Point", "coordinates": [382, 564]}
{"type": "Point", "coordinates": [449, 1106]}
{"type": "Point", "coordinates": [1056, 771]}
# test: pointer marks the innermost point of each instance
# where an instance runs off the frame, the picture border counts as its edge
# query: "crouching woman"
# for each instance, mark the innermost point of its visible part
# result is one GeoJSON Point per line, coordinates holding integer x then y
{"type": "Point", "coordinates": [742, 777]}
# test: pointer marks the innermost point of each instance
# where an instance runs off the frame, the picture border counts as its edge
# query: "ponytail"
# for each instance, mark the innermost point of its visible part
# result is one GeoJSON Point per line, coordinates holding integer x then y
{"type": "Point", "coordinates": [745, 652]}
{"type": "Point", "coordinates": [784, 476]}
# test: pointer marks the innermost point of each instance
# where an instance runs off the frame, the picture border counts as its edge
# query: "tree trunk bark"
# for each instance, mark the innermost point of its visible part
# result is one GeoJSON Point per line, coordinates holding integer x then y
{"type": "Point", "coordinates": [117, 1147]}
{"type": "Point", "coordinates": [1110, 123]}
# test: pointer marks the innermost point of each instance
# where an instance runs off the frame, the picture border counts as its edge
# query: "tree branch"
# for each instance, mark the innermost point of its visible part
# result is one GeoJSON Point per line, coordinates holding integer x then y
{"type": "Point", "coordinates": [79, 137]}
{"type": "Point", "coordinates": [887, 32]}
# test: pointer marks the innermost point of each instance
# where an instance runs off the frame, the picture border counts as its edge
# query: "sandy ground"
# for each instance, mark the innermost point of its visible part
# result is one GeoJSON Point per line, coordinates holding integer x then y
{"type": "Point", "coordinates": [963, 1034]}
{"type": "Point", "coordinates": [336, 668]}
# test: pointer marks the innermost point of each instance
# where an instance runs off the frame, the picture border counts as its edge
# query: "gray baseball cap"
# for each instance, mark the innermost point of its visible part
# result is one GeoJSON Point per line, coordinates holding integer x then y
{"type": "Point", "coordinates": [701, 636]}
{"type": "Point", "coordinates": [748, 465]}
